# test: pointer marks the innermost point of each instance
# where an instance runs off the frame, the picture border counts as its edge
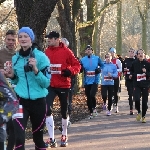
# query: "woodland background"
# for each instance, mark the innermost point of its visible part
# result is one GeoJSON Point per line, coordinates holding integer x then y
{"type": "Point", "coordinates": [101, 23]}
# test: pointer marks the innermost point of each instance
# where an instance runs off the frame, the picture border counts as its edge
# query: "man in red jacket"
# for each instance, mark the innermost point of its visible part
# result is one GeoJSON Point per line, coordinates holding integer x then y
{"type": "Point", "coordinates": [63, 66]}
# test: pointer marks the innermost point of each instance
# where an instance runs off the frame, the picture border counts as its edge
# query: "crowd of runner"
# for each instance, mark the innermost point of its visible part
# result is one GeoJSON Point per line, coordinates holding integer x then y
{"type": "Point", "coordinates": [38, 77]}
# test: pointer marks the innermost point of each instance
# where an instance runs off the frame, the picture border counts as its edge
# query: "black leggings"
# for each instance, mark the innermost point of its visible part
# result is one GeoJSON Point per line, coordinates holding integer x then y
{"type": "Point", "coordinates": [138, 92]}
{"type": "Point", "coordinates": [70, 94]}
{"type": "Point", "coordinates": [116, 90]}
{"type": "Point", "coordinates": [104, 90]}
{"type": "Point", "coordinates": [90, 92]}
{"type": "Point", "coordinates": [129, 85]}
{"type": "Point", "coordinates": [62, 94]}
{"type": "Point", "coordinates": [36, 110]}
{"type": "Point", "coordinates": [11, 135]}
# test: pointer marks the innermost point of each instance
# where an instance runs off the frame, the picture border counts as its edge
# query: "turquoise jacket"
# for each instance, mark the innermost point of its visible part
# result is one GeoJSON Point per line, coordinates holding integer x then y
{"type": "Point", "coordinates": [29, 85]}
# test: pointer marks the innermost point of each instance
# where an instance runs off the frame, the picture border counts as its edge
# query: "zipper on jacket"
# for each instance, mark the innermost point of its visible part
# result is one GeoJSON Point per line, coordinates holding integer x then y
{"type": "Point", "coordinates": [27, 82]}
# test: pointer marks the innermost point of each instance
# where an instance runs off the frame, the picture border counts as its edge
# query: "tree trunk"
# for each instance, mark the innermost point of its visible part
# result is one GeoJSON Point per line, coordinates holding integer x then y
{"type": "Point", "coordinates": [35, 14]}
{"type": "Point", "coordinates": [144, 18]}
{"type": "Point", "coordinates": [98, 31]}
{"type": "Point", "coordinates": [87, 32]}
{"type": "Point", "coordinates": [119, 28]}
{"type": "Point", "coordinates": [66, 20]}
{"type": "Point", "coordinates": [95, 33]}
{"type": "Point", "coordinates": [144, 34]}
{"type": "Point", "coordinates": [1, 1]}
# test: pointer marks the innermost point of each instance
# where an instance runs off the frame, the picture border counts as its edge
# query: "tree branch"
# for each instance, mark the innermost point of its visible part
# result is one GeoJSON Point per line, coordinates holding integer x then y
{"type": "Point", "coordinates": [6, 16]}
{"type": "Point", "coordinates": [89, 23]}
{"type": "Point", "coordinates": [1, 1]}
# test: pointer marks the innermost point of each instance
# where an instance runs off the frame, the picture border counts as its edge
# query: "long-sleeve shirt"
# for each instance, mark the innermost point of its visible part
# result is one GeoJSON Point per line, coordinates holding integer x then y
{"type": "Point", "coordinates": [127, 63]}
{"type": "Point", "coordinates": [118, 63]}
{"type": "Point", "coordinates": [108, 68]}
{"type": "Point", "coordinates": [139, 77]}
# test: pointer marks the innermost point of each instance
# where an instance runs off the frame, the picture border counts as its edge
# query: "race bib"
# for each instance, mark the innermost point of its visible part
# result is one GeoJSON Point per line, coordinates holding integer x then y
{"type": "Point", "coordinates": [55, 68]}
{"type": "Point", "coordinates": [19, 113]}
{"type": "Point", "coordinates": [141, 77]}
{"type": "Point", "coordinates": [90, 73]}
{"type": "Point", "coordinates": [107, 78]}
{"type": "Point", "coordinates": [128, 72]}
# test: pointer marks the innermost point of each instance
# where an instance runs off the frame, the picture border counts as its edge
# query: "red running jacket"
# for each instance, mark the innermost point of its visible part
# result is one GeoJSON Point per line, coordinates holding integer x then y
{"type": "Point", "coordinates": [61, 58]}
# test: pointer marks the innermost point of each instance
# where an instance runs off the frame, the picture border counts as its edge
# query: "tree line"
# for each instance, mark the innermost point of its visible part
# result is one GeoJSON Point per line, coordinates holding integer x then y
{"type": "Point", "coordinates": [101, 23]}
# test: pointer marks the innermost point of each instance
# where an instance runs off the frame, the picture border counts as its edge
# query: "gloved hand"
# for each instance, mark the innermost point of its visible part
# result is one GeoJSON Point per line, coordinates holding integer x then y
{"type": "Point", "coordinates": [66, 73]}
{"type": "Point", "coordinates": [97, 70]}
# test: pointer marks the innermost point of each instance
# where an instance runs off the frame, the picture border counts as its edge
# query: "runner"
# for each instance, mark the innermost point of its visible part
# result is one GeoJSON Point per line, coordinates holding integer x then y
{"type": "Point", "coordinates": [91, 65]}
{"type": "Point", "coordinates": [118, 63]}
{"type": "Point", "coordinates": [107, 84]}
{"type": "Point", "coordinates": [63, 66]}
{"type": "Point", "coordinates": [140, 73]}
{"type": "Point", "coordinates": [129, 82]}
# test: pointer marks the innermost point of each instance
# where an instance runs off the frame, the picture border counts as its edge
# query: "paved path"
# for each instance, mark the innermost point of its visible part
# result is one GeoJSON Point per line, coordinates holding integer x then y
{"type": "Point", "coordinates": [116, 132]}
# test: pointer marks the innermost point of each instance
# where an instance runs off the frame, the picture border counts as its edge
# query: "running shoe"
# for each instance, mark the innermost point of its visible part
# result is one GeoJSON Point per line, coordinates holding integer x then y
{"type": "Point", "coordinates": [64, 141]}
{"type": "Point", "coordinates": [138, 117]}
{"type": "Point", "coordinates": [51, 143]}
{"type": "Point", "coordinates": [108, 113]}
{"type": "Point", "coordinates": [94, 113]}
{"type": "Point", "coordinates": [143, 120]}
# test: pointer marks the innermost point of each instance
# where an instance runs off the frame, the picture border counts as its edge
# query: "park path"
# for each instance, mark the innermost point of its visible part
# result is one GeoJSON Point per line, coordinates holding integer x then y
{"type": "Point", "coordinates": [116, 132]}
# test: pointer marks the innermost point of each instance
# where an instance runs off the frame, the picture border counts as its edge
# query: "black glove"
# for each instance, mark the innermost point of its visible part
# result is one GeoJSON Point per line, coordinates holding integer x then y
{"type": "Point", "coordinates": [97, 70]}
{"type": "Point", "coordinates": [66, 73]}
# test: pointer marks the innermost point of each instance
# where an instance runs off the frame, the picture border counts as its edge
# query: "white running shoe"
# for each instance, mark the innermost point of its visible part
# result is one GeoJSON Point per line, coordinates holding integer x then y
{"type": "Point", "coordinates": [95, 113]}
{"type": "Point", "coordinates": [91, 116]}
{"type": "Point", "coordinates": [108, 113]}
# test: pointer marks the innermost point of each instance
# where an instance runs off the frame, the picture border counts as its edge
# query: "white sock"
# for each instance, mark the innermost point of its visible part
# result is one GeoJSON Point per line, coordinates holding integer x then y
{"type": "Point", "coordinates": [50, 126]}
{"type": "Point", "coordinates": [64, 126]}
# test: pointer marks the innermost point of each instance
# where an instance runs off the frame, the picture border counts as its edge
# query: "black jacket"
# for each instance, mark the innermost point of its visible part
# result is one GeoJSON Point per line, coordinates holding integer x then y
{"type": "Point", "coordinates": [127, 63]}
{"type": "Point", "coordinates": [136, 68]}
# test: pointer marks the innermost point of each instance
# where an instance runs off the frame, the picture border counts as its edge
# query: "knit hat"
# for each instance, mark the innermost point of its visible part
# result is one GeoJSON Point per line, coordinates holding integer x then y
{"type": "Point", "coordinates": [29, 31]}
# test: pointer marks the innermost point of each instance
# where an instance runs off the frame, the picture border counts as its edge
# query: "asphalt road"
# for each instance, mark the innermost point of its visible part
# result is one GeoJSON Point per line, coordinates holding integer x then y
{"type": "Point", "coordinates": [116, 132]}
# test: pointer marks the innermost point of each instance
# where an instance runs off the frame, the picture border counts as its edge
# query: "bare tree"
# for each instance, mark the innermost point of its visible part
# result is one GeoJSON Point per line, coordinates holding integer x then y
{"type": "Point", "coordinates": [143, 11]}
{"type": "Point", "coordinates": [119, 28]}
{"type": "Point", "coordinates": [1, 1]}
{"type": "Point", "coordinates": [35, 14]}
{"type": "Point", "coordinates": [6, 17]}
{"type": "Point", "coordinates": [68, 10]}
